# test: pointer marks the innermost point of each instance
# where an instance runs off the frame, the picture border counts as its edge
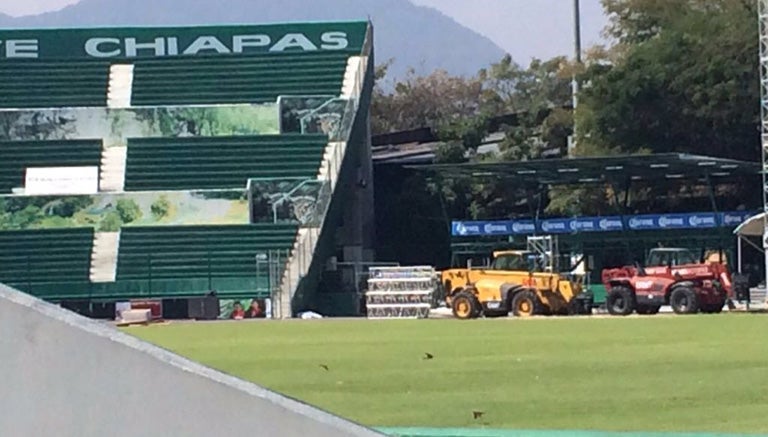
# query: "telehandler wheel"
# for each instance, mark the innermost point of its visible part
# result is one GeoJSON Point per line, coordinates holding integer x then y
{"type": "Point", "coordinates": [577, 307]}
{"type": "Point", "coordinates": [526, 304]}
{"type": "Point", "coordinates": [648, 309]}
{"type": "Point", "coordinates": [620, 301]}
{"type": "Point", "coordinates": [684, 301]}
{"type": "Point", "coordinates": [465, 305]}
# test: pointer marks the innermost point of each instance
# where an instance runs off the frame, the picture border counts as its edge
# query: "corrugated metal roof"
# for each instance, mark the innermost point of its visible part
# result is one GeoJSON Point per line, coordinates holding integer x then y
{"type": "Point", "coordinates": [667, 166]}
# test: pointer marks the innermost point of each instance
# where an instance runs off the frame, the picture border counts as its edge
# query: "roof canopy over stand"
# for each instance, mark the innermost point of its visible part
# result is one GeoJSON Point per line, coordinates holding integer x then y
{"type": "Point", "coordinates": [669, 166]}
{"type": "Point", "coordinates": [752, 227]}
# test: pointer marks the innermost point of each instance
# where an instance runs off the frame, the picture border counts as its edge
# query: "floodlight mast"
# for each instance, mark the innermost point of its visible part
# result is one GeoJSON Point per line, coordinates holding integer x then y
{"type": "Point", "coordinates": [575, 80]}
{"type": "Point", "coordinates": [577, 49]}
{"type": "Point", "coordinates": [762, 7]}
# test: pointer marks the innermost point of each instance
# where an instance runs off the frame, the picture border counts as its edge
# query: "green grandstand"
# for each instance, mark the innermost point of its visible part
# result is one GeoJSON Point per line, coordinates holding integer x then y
{"type": "Point", "coordinates": [152, 163]}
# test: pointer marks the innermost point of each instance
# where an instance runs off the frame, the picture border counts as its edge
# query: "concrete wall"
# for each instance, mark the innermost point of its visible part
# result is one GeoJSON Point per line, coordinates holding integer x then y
{"type": "Point", "coordinates": [64, 375]}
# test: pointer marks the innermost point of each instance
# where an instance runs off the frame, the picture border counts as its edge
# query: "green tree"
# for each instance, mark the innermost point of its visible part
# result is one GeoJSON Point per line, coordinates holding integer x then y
{"type": "Point", "coordinates": [470, 131]}
{"type": "Point", "coordinates": [128, 210]}
{"type": "Point", "coordinates": [450, 152]}
{"type": "Point", "coordinates": [682, 76]}
{"type": "Point", "coordinates": [537, 94]}
{"type": "Point", "coordinates": [510, 88]}
{"type": "Point", "coordinates": [686, 79]}
{"type": "Point", "coordinates": [424, 101]}
{"type": "Point", "coordinates": [523, 141]}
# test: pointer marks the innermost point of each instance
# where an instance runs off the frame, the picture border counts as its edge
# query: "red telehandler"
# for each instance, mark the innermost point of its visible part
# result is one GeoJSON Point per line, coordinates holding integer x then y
{"type": "Point", "coordinates": [671, 276]}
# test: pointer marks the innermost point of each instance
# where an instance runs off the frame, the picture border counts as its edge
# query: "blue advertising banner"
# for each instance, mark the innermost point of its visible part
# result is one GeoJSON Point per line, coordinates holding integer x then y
{"type": "Point", "coordinates": [480, 228]}
{"type": "Point", "coordinates": [675, 221]}
{"type": "Point", "coordinates": [733, 219]}
{"type": "Point", "coordinates": [701, 220]}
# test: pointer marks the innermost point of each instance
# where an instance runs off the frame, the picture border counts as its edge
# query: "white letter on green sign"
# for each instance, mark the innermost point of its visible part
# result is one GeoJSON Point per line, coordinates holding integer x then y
{"type": "Point", "coordinates": [334, 41]}
{"type": "Point", "coordinates": [293, 40]}
{"type": "Point", "coordinates": [132, 48]}
{"type": "Point", "coordinates": [93, 47]}
{"type": "Point", "coordinates": [21, 48]}
{"type": "Point", "coordinates": [206, 43]}
{"type": "Point", "coordinates": [240, 42]}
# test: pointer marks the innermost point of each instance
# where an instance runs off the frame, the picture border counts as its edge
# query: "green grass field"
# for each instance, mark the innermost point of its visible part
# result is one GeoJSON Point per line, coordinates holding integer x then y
{"type": "Point", "coordinates": [702, 373]}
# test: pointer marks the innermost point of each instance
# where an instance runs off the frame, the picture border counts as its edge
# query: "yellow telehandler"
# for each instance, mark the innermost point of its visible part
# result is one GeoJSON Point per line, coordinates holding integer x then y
{"type": "Point", "coordinates": [516, 281]}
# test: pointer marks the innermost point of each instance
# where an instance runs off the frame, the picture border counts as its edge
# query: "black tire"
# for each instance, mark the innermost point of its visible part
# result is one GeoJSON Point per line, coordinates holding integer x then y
{"type": "Point", "coordinates": [579, 307]}
{"type": "Point", "coordinates": [684, 301]}
{"type": "Point", "coordinates": [465, 305]}
{"type": "Point", "coordinates": [620, 301]}
{"type": "Point", "coordinates": [526, 304]}
{"type": "Point", "coordinates": [648, 309]}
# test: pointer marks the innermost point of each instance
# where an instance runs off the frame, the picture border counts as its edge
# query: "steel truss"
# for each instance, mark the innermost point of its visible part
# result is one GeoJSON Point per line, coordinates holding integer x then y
{"type": "Point", "coordinates": [763, 18]}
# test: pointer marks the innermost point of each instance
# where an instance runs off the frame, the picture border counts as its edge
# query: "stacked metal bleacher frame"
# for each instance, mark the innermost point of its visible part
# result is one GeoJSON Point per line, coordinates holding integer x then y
{"type": "Point", "coordinates": [400, 292]}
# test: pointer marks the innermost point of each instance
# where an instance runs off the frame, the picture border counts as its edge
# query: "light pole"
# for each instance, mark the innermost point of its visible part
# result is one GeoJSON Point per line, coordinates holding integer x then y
{"type": "Point", "coordinates": [575, 81]}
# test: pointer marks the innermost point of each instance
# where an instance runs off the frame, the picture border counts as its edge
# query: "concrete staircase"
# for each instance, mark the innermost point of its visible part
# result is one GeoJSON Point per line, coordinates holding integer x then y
{"type": "Point", "coordinates": [120, 88]}
{"type": "Point", "coordinates": [104, 256]}
{"type": "Point", "coordinates": [349, 87]}
{"type": "Point", "coordinates": [303, 250]}
{"type": "Point", "coordinates": [328, 170]}
{"type": "Point", "coordinates": [113, 162]}
{"type": "Point", "coordinates": [294, 269]}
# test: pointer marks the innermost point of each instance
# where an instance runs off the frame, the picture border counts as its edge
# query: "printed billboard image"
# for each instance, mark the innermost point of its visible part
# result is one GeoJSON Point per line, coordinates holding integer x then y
{"type": "Point", "coordinates": [115, 126]}
{"type": "Point", "coordinates": [326, 119]}
{"type": "Point", "coordinates": [239, 309]}
{"type": "Point", "coordinates": [296, 200]}
{"type": "Point", "coordinates": [311, 114]}
{"type": "Point", "coordinates": [269, 201]}
{"type": "Point", "coordinates": [110, 212]}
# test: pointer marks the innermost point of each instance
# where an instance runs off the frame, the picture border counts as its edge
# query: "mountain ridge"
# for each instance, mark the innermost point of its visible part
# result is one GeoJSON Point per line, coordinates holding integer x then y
{"type": "Point", "coordinates": [442, 42]}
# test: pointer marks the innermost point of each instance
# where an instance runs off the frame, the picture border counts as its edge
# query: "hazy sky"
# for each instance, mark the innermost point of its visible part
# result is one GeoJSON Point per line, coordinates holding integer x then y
{"type": "Point", "coordinates": [525, 28]}
{"type": "Point", "coordinates": [25, 7]}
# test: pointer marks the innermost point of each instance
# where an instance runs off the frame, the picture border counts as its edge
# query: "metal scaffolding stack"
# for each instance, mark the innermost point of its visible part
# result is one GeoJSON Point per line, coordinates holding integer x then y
{"type": "Point", "coordinates": [400, 292]}
{"type": "Point", "coordinates": [763, 17]}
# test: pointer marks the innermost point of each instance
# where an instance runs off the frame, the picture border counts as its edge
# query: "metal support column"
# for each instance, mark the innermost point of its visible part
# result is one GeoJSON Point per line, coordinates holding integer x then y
{"type": "Point", "coordinates": [539, 202]}
{"type": "Point", "coordinates": [711, 194]}
{"type": "Point", "coordinates": [538, 199]}
{"type": "Point", "coordinates": [530, 200]}
{"type": "Point", "coordinates": [738, 253]}
{"type": "Point", "coordinates": [623, 209]}
{"type": "Point", "coordinates": [441, 197]}
{"type": "Point", "coordinates": [627, 188]}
